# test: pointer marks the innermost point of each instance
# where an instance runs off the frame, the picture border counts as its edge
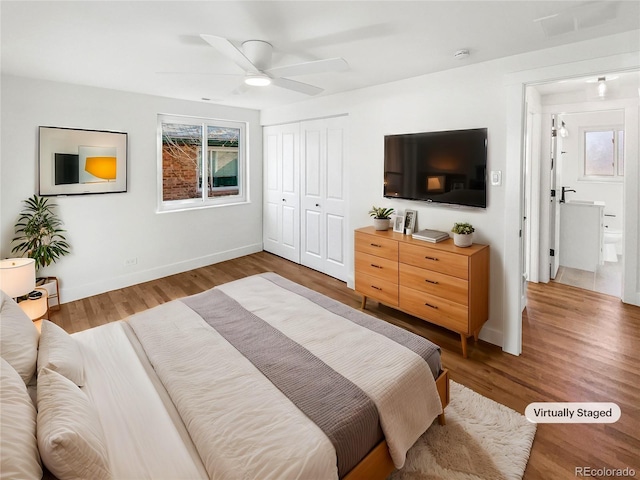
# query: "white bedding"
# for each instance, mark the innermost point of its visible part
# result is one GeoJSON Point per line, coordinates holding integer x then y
{"type": "Point", "coordinates": [395, 378]}
{"type": "Point", "coordinates": [177, 401]}
{"type": "Point", "coordinates": [143, 441]}
{"type": "Point", "coordinates": [242, 425]}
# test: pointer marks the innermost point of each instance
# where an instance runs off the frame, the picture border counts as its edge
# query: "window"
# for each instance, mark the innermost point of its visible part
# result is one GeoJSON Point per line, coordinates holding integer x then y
{"type": "Point", "coordinates": [603, 154]}
{"type": "Point", "coordinates": [202, 162]}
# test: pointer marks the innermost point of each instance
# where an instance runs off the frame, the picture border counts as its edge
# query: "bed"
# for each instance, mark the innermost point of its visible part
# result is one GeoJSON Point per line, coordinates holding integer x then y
{"type": "Point", "coordinates": [256, 378]}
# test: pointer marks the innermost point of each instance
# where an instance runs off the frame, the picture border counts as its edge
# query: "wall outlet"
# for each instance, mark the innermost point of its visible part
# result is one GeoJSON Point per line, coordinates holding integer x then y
{"type": "Point", "coordinates": [131, 261]}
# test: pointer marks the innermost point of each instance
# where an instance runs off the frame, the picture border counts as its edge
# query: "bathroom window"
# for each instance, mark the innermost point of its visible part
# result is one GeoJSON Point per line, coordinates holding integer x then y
{"type": "Point", "coordinates": [603, 154]}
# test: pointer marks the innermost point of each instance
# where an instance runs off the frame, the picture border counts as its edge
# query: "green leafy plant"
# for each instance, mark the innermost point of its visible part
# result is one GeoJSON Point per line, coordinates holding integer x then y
{"type": "Point", "coordinates": [463, 228]}
{"type": "Point", "coordinates": [38, 233]}
{"type": "Point", "coordinates": [381, 212]}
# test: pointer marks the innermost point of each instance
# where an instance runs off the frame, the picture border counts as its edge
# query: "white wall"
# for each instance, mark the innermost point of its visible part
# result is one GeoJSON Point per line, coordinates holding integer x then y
{"type": "Point", "coordinates": [105, 230]}
{"type": "Point", "coordinates": [467, 97]}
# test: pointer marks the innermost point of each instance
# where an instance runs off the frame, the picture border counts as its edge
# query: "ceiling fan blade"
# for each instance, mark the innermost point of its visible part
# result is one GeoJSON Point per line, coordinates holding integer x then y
{"type": "Point", "coordinates": [227, 48]}
{"type": "Point", "coordinates": [319, 66]}
{"type": "Point", "coordinates": [296, 86]}
{"type": "Point", "coordinates": [201, 73]}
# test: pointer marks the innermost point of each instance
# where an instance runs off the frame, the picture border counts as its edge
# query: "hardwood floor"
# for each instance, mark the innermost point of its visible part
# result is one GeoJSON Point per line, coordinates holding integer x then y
{"type": "Point", "coordinates": [578, 346]}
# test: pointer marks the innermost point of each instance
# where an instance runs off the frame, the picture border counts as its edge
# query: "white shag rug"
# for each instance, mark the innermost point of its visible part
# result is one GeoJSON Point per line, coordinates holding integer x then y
{"type": "Point", "coordinates": [482, 440]}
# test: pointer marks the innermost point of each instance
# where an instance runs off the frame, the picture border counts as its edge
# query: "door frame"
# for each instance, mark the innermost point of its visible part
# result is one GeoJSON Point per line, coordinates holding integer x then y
{"type": "Point", "coordinates": [515, 86]}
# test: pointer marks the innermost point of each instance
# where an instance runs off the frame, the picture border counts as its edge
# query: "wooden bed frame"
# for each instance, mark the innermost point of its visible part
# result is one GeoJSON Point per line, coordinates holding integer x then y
{"type": "Point", "coordinates": [377, 465]}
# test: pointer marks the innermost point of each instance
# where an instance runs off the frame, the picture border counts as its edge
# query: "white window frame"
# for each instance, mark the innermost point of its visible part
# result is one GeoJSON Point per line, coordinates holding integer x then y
{"type": "Point", "coordinates": [616, 177]}
{"type": "Point", "coordinates": [204, 201]}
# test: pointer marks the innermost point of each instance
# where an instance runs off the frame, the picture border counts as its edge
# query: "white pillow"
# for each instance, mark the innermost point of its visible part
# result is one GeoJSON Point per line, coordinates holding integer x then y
{"type": "Point", "coordinates": [18, 338]}
{"type": "Point", "coordinates": [70, 435]}
{"type": "Point", "coordinates": [60, 352]}
{"type": "Point", "coordinates": [18, 447]}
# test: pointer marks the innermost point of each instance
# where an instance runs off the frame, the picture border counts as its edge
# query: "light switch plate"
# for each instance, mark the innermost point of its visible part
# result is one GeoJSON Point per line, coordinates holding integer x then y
{"type": "Point", "coordinates": [496, 177]}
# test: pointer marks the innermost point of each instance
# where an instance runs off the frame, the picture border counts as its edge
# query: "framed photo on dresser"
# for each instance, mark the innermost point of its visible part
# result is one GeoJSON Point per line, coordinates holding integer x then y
{"type": "Point", "coordinates": [398, 223]}
{"type": "Point", "coordinates": [410, 217]}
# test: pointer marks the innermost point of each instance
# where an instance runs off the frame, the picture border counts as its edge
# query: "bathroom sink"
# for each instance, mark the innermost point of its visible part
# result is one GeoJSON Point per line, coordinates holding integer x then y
{"type": "Point", "coordinates": [586, 202]}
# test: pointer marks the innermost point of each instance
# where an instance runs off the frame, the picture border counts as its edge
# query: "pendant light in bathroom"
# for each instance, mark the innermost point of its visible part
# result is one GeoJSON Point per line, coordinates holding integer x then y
{"type": "Point", "coordinates": [602, 87]}
{"type": "Point", "coordinates": [564, 133]}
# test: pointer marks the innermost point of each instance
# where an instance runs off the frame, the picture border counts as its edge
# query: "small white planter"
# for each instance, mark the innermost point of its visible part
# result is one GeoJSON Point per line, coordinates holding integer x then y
{"type": "Point", "coordinates": [463, 239]}
{"type": "Point", "coordinates": [381, 223]}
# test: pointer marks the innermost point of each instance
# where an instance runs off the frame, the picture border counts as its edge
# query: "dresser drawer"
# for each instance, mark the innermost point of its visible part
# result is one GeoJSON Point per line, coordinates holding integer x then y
{"type": "Point", "coordinates": [435, 283]}
{"type": "Point", "coordinates": [376, 245]}
{"type": "Point", "coordinates": [436, 260]}
{"type": "Point", "coordinates": [377, 266]}
{"type": "Point", "coordinates": [434, 309]}
{"type": "Point", "coordinates": [385, 291]}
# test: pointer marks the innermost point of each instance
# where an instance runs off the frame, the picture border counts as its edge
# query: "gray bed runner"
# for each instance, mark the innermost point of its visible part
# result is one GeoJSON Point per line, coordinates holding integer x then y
{"type": "Point", "coordinates": [429, 351]}
{"type": "Point", "coordinates": [346, 415]}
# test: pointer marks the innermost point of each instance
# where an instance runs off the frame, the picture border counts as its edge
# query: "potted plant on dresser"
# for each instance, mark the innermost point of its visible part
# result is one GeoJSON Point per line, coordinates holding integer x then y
{"type": "Point", "coordinates": [381, 217]}
{"type": "Point", "coordinates": [462, 234]}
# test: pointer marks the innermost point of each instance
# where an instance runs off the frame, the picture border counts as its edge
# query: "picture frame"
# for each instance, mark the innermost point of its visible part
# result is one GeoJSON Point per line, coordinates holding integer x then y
{"type": "Point", "coordinates": [410, 217]}
{"type": "Point", "coordinates": [398, 223]}
{"type": "Point", "coordinates": [78, 162]}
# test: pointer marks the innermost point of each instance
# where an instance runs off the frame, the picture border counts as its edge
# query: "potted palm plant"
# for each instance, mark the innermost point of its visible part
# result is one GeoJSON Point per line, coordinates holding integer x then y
{"type": "Point", "coordinates": [38, 233]}
{"type": "Point", "coordinates": [462, 234]}
{"type": "Point", "coordinates": [381, 217]}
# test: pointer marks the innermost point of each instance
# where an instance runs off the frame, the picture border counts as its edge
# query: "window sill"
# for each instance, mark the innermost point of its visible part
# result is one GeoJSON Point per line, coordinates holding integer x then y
{"type": "Point", "coordinates": [604, 180]}
{"type": "Point", "coordinates": [185, 207]}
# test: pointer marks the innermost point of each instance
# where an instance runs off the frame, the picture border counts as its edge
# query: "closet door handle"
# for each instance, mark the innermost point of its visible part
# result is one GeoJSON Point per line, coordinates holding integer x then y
{"type": "Point", "coordinates": [431, 281]}
{"type": "Point", "coordinates": [317, 204]}
{"type": "Point", "coordinates": [284, 199]}
{"type": "Point", "coordinates": [431, 306]}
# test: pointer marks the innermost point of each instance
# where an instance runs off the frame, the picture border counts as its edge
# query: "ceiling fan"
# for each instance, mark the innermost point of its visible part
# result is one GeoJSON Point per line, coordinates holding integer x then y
{"type": "Point", "coordinates": [255, 59]}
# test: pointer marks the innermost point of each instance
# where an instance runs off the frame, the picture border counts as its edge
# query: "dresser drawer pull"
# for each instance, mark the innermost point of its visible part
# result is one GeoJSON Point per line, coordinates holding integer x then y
{"type": "Point", "coordinates": [431, 281]}
{"type": "Point", "coordinates": [375, 266]}
{"type": "Point", "coordinates": [376, 245]}
{"type": "Point", "coordinates": [432, 258]}
{"type": "Point", "coordinates": [431, 306]}
{"type": "Point", "coordinates": [377, 288]}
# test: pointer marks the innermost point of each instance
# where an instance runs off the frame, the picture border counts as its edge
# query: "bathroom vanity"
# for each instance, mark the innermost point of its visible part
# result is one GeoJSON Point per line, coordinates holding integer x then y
{"type": "Point", "coordinates": [581, 234]}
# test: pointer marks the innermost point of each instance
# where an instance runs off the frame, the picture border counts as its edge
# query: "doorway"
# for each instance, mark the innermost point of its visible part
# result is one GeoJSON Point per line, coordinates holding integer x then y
{"type": "Point", "coordinates": [562, 119]}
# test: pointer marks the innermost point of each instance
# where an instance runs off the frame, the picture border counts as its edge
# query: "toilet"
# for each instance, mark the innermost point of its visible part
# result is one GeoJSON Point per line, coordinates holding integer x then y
{"type": "Point", "coordinates": [612, 239]}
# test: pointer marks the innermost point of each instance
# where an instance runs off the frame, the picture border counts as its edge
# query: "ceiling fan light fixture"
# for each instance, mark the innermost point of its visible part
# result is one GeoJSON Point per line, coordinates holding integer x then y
{"type": "Point", "coordinates": [257, 80]}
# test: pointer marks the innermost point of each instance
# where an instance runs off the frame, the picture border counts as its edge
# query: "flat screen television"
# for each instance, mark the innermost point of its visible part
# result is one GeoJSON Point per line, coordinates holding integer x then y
{"type": "Point", "coordinates": [442, 167]}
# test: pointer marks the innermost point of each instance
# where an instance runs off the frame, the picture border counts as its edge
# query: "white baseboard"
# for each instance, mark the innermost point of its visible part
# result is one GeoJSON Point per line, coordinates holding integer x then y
{"type": "Point", "coordinates": [108, 284]}
{"type": "Point", "coordinates": [491, 335]}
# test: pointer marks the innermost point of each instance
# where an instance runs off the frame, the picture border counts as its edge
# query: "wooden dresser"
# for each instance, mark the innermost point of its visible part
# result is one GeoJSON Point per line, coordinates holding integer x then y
{"type": "Point", "coordinates": [437, 282]}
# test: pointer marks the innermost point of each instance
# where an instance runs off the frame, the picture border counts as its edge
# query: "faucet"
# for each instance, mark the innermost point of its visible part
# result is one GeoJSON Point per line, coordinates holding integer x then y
{"type": "Point", "coordinates": [565, 190]}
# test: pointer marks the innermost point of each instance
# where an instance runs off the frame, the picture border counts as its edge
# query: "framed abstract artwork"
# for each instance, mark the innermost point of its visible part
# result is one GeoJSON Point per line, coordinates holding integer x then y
{"type": "Point", "coordinates": [77, 162]}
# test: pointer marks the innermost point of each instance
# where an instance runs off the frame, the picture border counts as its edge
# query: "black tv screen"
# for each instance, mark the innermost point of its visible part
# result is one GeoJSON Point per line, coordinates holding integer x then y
{"type": "Point", "coordinates": [443, 167]}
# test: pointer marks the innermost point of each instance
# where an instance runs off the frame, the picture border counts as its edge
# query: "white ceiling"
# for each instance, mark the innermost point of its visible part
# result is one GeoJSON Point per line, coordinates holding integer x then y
{"type": "Point", "coordinates": [125, 45]}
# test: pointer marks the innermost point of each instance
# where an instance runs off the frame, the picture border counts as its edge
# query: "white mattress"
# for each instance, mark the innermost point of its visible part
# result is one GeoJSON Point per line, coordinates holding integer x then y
{"type": "Point", "coordinates": [144, 434]}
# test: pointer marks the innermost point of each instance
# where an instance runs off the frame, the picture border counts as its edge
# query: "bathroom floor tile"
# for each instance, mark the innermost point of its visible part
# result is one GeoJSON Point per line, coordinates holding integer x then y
{"type": "Point", "coordinates": [606, 279]}
{"type": "Point", "coordinates": [577, 278]}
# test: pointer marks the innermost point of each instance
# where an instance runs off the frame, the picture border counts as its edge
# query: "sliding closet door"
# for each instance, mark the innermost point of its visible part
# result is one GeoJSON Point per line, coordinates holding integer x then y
{"type": "Point", "coordinates": [323, 202]}
{"type": "Point", "coordinates": [281, 213]}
